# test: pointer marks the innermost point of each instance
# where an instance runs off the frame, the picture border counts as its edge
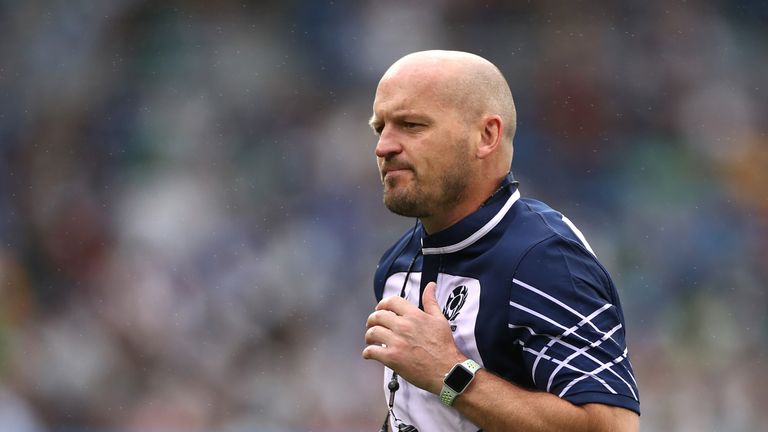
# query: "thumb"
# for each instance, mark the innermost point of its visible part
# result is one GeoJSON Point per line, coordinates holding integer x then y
{"type": "Point", "coordinates": [429, 300]}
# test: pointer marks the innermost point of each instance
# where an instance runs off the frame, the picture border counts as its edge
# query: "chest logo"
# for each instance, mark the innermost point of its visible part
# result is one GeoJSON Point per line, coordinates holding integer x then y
{"type": "Point", "coordinates": [455, 301]}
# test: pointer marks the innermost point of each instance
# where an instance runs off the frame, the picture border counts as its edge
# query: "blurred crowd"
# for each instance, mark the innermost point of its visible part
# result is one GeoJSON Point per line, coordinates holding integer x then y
{"type": "Point", "coordinates": [190, 211]}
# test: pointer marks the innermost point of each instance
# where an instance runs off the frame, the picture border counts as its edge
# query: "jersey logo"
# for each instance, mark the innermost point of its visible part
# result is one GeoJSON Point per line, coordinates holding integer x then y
{"type": "Point", "coordinates": [455, 302]}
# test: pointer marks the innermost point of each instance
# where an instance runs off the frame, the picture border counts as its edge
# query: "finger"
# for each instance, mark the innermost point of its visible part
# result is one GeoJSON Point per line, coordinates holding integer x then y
{"type": "Point", "coordinates": [378, 335]}
{"type": "Point", "coordinates": [397, 304]}
{"type": "Point", "coordinates": [384, 318]}
{"type": "Point", "coordinates": [375, 352]}
{"type": "Point", "coordinates": [429, 300]}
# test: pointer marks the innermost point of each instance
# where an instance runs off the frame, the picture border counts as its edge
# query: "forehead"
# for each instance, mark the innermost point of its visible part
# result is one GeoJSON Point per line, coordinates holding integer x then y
{"type": "Point", "coordinates": [410, 92]}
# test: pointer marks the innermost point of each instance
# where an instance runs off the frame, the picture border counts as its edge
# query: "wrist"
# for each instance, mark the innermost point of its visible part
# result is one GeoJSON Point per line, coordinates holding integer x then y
{"type": "Point", "coordinates": [443, 370]}
{"type": "Point", "coordinates": [457, 380]}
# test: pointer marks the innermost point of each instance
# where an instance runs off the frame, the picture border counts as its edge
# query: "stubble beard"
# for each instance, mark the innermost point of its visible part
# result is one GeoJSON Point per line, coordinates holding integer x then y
{"type": "Point", "coordinates": [413, 200]}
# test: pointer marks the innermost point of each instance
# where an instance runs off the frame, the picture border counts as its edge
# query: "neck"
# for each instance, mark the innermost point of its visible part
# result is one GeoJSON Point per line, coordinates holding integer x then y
{"type": "Point", "coordinates": [478, 195]}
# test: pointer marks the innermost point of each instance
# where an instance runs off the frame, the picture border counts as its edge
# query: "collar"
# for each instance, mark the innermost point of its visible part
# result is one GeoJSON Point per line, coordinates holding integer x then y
{"type": "Point", "coordinates": [476, 225]}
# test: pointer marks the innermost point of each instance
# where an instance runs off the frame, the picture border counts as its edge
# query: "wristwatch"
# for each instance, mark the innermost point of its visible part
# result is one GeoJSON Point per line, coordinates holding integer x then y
{"type": "Point", "coordinates": [457, 380]}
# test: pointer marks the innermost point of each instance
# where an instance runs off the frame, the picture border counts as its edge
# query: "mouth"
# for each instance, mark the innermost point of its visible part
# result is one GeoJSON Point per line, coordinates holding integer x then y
{"type": "Point", "coordinates": [395, 171]}
{"type": "Point", "coordinates": [394, 168]}
{"type": "Point", "coordinates": [390, 174]}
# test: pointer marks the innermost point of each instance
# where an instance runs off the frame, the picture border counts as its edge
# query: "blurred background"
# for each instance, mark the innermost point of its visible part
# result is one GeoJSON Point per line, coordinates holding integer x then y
{"type": "Point", "coordinates": [190, 211]}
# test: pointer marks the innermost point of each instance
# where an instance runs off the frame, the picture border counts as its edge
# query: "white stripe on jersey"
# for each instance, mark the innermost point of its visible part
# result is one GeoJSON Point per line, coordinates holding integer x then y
{"type": "Point", "coordinates": [478, 234]}
{"type": "Point", "coordinates": [561, 304]}
{"type": "Point", "coordinates": [556, 361]}
{"type": "Point", "coordinates": [578, 234]}
{"type": "Point", "coordinates": [584, 351]}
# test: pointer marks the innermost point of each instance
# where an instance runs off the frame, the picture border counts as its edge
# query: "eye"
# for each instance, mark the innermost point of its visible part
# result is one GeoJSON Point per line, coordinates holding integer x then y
{"type": "Point", "coordinates": [411, 125]}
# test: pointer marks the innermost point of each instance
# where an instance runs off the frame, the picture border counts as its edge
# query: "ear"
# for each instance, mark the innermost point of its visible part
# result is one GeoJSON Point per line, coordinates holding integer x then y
{"type": "Point", "coordinates": [490, 136]}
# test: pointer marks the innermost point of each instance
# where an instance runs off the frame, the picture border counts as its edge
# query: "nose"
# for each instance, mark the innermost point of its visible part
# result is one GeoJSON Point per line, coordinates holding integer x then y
{"type": "Point", "coordinates": [388, 144]}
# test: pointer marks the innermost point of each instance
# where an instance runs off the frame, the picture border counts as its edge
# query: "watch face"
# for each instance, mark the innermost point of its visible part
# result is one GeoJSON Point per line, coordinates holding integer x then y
{"type": "Point", "coordinates": [458, 379]}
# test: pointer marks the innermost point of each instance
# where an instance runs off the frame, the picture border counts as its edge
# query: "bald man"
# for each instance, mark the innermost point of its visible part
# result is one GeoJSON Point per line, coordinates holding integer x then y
{"type": "Point", "coordinates": [494, 313]}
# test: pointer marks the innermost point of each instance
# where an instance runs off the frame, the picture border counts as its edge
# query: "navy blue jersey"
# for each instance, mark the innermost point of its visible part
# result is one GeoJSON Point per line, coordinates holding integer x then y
{"type": "Point", "coordinates": [525, 297]}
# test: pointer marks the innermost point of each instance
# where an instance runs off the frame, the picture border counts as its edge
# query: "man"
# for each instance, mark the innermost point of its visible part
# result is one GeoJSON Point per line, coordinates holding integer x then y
{"type": "Point", "coordinates": [494, 313]}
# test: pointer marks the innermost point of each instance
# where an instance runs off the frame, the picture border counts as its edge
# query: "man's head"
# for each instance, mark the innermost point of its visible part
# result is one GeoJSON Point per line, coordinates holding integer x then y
{"type": "Point", "coordinates": [445, 121]}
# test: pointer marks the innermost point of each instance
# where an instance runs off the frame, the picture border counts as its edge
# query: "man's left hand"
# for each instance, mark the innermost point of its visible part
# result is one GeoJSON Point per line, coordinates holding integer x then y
{"type": "Point", "coordinates": [416, 344]}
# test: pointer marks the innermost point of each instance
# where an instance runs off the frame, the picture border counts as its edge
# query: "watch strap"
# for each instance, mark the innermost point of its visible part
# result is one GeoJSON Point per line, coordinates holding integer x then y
{"type": "Point", "coordinates": [447, 394]}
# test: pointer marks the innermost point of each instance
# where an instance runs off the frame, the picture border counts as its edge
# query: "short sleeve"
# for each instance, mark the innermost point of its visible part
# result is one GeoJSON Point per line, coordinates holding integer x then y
{"type": "Point", "coordinates": [566, 320]}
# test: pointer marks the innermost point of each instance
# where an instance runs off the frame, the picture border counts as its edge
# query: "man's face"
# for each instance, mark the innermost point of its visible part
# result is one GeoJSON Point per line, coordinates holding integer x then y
{"type": "Point", "coordinates": [423, 146]}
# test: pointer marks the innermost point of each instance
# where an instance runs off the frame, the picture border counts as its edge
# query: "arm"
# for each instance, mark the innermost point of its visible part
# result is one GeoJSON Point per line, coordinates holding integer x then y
{"type": "Point", "coordinates": [497, 405]}
{"type": "Point", "coordinates": [419, 346]}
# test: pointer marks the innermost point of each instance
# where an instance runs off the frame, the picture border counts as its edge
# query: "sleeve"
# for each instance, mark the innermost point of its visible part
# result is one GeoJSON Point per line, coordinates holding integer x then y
{"type": "Point", "coordinates": [383, 270]}
{"type": "Point", "coordinates": [566, 320]}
